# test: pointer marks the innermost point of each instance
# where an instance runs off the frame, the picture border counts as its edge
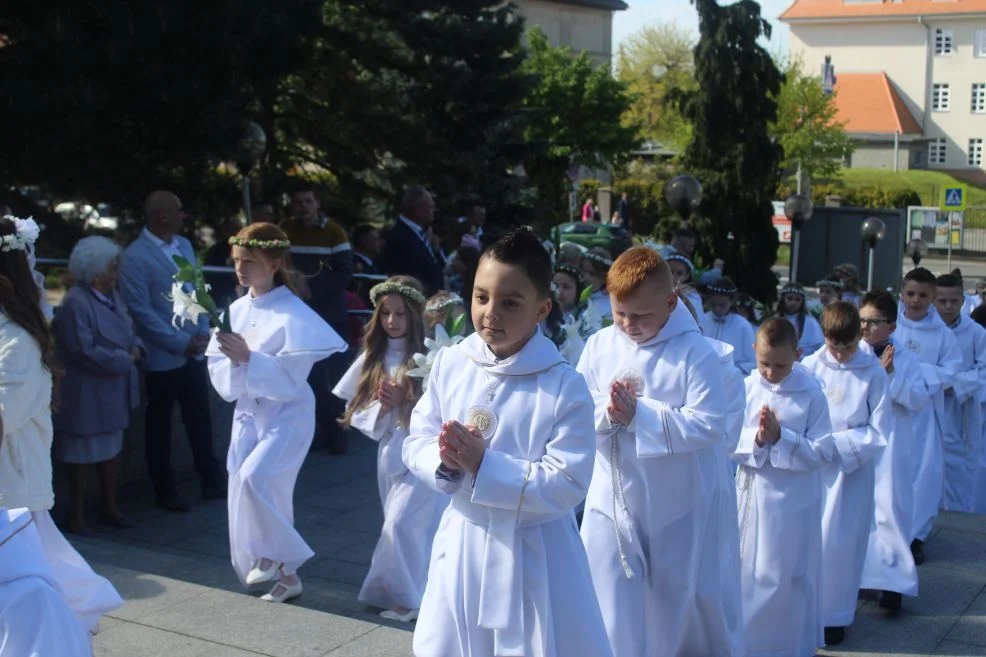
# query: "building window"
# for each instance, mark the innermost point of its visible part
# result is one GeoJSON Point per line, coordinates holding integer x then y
{"type": "Point", "coordinates": [941, 97]}
{"type": "Point", "coordinates": [979, 49]}
{"type": "Point", "coordinates": [943, 41]}
{"type": "Point", "coordinates": [979, 98]}
{"type": "Point", "coordinates": [975, 152]}
{"type": "Point", "coordinates": [936, 152]}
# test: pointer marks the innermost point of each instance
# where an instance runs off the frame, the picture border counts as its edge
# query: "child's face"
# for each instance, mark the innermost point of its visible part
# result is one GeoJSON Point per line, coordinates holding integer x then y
{"type": "Point", "coordinates": [793, 303]}
{"type": "Point", "coordinates": [917, 299]}
{"type": "Point", "coordinates": [566, 290]}
{"type": "Point", "coordinates": [593, 278]}
{"type": "Point", "coordinates": [876, 328]}
{"type": "Point", "coordinates": [679, 271]}
{"type": "Point", "coordinates": [506, 306]}
{"type": "Point", "coordinates": [827, 295]}
{"type": "Point", "coordinates": [645, 312]}
{"type": "Point", "coordinates": [842, 352]}
{"type": "Point", "coordinates": [253, 269]}
{"type": "Point", "coordinates": [721, 305]}
{"type": "Point", "coordinates": [776, 363]}
{"type": "Point", "coordinates": [393, 316]}
{"type": "Point", "coordinates": [948, 301]}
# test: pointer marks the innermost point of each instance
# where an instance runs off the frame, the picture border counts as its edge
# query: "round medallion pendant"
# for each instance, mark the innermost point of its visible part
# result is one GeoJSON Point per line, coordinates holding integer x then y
{"type": "Point", "coordinates": [483, 418]}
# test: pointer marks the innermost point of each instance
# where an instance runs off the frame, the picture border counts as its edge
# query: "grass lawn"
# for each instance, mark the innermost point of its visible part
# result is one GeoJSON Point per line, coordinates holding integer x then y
{"type": "Point", "coordinates": [928, 184]}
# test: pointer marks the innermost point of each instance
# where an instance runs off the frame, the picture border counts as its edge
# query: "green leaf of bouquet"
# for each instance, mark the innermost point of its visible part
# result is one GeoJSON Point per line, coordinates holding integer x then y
{"type": "Point", "coordinates": [586, 293]}
{"type": "Point", "coordinates": [186, 272]}
{"type": "Point", "coordinates": [457, 325]}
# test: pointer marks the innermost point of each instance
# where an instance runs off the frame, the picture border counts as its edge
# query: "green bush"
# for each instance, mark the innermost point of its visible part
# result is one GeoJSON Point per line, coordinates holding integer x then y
{"type": "Point", "coordinates": [647, 204]}
{"type": "Point", "coordinates": [589, 188]}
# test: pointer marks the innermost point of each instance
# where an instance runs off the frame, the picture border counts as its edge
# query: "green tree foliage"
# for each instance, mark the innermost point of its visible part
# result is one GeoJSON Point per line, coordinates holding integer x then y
{"type": "Point", "coordinates": [574, 119]}
{"type": "Point", "coordinates": [654, 60]}
{"type": "Point", "coordinates": [807, 126]}
{"type": "Point", "coordinates": [731, 152]}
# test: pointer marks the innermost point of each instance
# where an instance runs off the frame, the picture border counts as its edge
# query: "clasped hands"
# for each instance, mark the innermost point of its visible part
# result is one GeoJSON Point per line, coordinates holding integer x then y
{"type": "Point", "coordinates": [622, 403]}
{"type": "Point", "coordinates": [234, 347]}
{"type": "Point", "coordinates": [391, 394]}
{"type": "Point", "coordinates": [769, 431]}
{"type": "Point", "coordinates": [461, 447]}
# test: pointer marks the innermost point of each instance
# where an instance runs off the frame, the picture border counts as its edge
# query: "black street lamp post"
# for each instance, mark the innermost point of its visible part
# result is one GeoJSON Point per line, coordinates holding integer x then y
{"type": "Point", "coordinates": [872, 231]}
{"type": "Point", "coordinates": [917, 249]}
{"type": "Point", "coordinates": [684, 194]}
{"type": "Point", "coordinates": [798, 208]}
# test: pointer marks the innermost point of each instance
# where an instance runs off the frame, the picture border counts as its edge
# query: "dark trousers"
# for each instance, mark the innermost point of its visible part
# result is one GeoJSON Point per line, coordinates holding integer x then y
{"type": "Point", "coordinates": [189, 386]}
{"type": "Point", "coordinates": [324, 376]}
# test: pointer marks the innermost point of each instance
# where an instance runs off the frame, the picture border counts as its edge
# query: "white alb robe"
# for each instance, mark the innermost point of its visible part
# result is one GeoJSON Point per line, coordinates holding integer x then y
{"type": "Point", "coordinates": [603, 304]}
{"type": "Point", "coordinates": [273, 423]}
{"type": "Point", "coordinates": [962, 435]}
{"type": "Point", "coordinates": [810, 339]}
{"type": "Point", "coordinates": [651, 525]}
{"type": "Point", "coordinates": [937, 351]}
{"type": "Point", "coordinates": [972, 301]}
{"type": "Point", "coordinates": [729, 556]}
{"type": "Point", "coordinates": [862, 419]}
{"type": "Point", "coordinates": [411, 510]}
{"type": "Point", "coordinates": [508, 575]}
{"type": "Point", "coordinates": [780, 516]}
{"type": "Point", "coordinates": [35, 619]}
{"type": "Point", "coordinates": [734, 330]}
{"type": "Point", "coordinates": [889, 565]}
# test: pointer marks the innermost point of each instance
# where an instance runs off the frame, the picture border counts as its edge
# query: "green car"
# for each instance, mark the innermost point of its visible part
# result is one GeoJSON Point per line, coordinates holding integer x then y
{"type": "Point", "coordinates": [590, 233]}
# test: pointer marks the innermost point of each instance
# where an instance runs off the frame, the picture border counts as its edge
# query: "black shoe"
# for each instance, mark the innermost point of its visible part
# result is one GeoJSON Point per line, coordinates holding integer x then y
{"type": "Point", "coordinates": [834, 635]}
{"type": "Point", "coordinates": [213, 492]}
{"type": "Point", "coordinates": [891, 600]}
{"type": "Point", "coordinates": [917, 551]}
{"type": "Point", "coordinates": [174, 504]}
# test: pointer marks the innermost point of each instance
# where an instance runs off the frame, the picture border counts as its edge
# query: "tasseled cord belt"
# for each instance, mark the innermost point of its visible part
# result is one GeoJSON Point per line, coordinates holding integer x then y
{"type": "Point", "coordinates": [619, 503]}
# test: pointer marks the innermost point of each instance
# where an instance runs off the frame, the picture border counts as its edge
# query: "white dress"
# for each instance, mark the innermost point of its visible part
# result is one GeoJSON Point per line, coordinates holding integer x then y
{"type": "Point", "coordinates": [25, 471]}
{"type": "Point", "coordinates": [411, 510]}
{"type": "Point", "coordinates": [935, 348]}
{"type": "Point", "coordinates": [652, 527]}
{"type": "Point", "coordinates": [810, 339]}
{"type": "Point", "coordinates": [35, 619]}
{"type": "Point", "coordinates": [889, 565]}
{"type": "Point", "coordinates": [508, 574]}
{"type": "Point", "coordinates": [273, 423]}
{"type": "Point", "coordinates": [862, 419]}
{"type": "Point", "coordinates": [972, 301]}
{"type": "Point", "coordinates": [962, 435]}
{"type": "Point", "coordinates": [780, 516]}
{"type": "Point", "coordinates": [734, 330]}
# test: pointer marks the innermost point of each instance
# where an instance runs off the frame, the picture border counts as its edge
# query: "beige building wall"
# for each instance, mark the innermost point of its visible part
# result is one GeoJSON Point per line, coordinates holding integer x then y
{"type": "Point", "coordinates": [580, 28]}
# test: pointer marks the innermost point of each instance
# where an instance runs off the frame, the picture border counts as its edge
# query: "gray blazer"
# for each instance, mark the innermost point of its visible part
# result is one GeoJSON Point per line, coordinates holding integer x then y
{"type": "Point", "coordinates": [101, 383]}
{"type": "Point", "coordinates": [145, 283]}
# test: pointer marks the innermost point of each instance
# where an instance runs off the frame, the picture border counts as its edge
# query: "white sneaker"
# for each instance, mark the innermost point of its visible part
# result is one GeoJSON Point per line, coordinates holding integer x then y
{"type": "Point", "coordinates": [258, 576]}
{"type": "Point", "coordinates": [283, 592]}
{"type": "Point", "coordinates": [403, 618]}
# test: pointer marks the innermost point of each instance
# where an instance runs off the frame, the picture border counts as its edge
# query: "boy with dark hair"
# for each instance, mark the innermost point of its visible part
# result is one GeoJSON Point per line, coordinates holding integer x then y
{"type": "Point", "coordinates": [962, 429]}
{"type": "Point", "coordinates": [922, 332]}
{"type": "Point", "coordinates": [505, 428]}
{"type": "Point", "coordinates": [889, 565]}
{"type": "Point", "coordinates": [855, 386]}
{"type": "Point", "coordinates": [652, 524]}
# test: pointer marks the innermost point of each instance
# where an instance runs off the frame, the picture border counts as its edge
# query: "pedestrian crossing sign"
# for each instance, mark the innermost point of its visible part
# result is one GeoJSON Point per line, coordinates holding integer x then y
{"type": "Point", "coordinates": [953, 198]}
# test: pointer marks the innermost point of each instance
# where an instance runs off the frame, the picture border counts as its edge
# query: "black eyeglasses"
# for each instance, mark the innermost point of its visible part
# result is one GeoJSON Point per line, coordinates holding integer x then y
{"type": "Point", "coordinates": [873, 322]}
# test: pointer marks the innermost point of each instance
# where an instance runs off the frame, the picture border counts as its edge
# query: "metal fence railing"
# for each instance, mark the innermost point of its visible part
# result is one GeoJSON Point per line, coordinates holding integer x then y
{"type": "Point", "coordinates": [974, 229]}
{"type": "Point", "coordinates": [63, 262]}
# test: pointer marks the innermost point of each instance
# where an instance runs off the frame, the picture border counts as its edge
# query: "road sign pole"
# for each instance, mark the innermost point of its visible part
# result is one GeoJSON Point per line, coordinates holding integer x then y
{"type": "Point", "coordinates": [948, 259]}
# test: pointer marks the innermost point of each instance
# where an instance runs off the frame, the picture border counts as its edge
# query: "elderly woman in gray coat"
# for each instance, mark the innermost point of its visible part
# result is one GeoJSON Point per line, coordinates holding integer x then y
{"type": "Point", "coordinates": [99, 351]}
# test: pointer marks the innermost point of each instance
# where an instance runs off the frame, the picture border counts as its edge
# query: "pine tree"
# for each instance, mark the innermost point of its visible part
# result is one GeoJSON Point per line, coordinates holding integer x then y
{"type": "Point", "coordinates": [731, 151]}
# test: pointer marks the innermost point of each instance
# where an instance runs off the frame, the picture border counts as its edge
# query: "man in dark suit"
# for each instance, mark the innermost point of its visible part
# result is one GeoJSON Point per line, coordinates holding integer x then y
{"type": "Point", "coordinates": [624, 210]}
{"type": "Point", "coordinates": [408, 250]}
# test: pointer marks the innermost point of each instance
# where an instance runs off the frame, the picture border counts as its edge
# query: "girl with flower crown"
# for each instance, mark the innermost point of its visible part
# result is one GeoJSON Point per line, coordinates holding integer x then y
{"type": "Point", "coordinates": [441, 307]}
{"type": "Point", "coordinates": [262, 364]}
{"type": "Point", "coordinates": [793, 306]}
{"type": "Point", "coordinates": [26, 369]}
{"type": "Point", "coordinates": [380, 395]}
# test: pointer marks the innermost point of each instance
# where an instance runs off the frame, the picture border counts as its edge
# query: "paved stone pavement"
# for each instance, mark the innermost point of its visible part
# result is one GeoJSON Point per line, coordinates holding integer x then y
{"type": "Point", "coordinates": [183, 599]}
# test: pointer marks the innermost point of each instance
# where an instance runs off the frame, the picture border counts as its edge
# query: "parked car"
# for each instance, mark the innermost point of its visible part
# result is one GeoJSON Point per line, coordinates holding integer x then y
{"type": "Point", "coordinates": [590, 233]}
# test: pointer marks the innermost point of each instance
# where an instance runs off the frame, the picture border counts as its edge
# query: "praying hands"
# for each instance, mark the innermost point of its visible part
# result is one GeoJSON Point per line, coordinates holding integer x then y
{"type": "Point", "coordinates": [461, 447]}
{"type": "Point", "coordinates": [770, 428]}
{"type": "Point", "coordinates": [622, 403]}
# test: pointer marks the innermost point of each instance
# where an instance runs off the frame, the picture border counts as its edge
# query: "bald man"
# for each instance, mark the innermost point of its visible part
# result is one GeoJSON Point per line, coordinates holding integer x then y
{"type": "Point", "coordinates": [175, 369]}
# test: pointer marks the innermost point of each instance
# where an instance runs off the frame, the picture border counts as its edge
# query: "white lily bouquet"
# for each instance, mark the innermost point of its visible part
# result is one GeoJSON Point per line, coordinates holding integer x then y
{"type": "Point", "coordinates": [443, 338]}
{"type": "Point", "coordinates": [190, 305]}
{"type": "Point", "coordinates": [590, 320]}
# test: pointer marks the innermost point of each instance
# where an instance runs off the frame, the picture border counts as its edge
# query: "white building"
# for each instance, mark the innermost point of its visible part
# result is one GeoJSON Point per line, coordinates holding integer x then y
{"type": "Point", "coordinates": [929, 55]}
{"type": "Point", "coordinates": [582, 25]}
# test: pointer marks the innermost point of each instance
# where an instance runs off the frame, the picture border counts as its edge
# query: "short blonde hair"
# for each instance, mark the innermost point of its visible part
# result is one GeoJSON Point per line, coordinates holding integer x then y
{"type": "Point", "coordinates": [633, 268]}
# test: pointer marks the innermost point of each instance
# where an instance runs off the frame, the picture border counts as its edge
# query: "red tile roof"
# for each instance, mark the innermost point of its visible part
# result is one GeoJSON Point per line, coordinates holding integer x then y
{"type": "Point", "coordinates": [887, 8]}
{"type": "Point", "coordinates": [869, 102]}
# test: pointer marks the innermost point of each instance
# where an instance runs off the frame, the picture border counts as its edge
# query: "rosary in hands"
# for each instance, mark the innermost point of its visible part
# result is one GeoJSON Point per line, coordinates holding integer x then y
{"type": "Point", "coordinates": [461, 447]}
{"type": "Point", "coordinates": [770, 428]}
{"type": "Point", "coordinates": [622, 403]}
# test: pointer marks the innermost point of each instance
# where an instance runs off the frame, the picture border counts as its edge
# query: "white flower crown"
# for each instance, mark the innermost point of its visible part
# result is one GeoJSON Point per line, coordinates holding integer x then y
{"type": "Point", "coordinates": [598, 258]}
{"type": "Point", "coordinates": [438, 305]}
{"type": "Point", "coordinates": [26, 231]}
{"type": "Point", "coordinates": [392, 287]}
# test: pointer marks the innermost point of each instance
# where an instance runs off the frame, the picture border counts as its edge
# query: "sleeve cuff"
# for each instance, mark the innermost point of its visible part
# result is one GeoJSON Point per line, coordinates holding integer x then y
{"type": "Point", "coordinates": [499, 481]}
{"type": "Point", "coordinates": [651, 432]}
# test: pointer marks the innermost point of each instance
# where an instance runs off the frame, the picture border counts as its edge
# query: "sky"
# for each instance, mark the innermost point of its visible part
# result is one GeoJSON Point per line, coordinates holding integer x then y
{"type": "Point", "coordinates": [644, 12]}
